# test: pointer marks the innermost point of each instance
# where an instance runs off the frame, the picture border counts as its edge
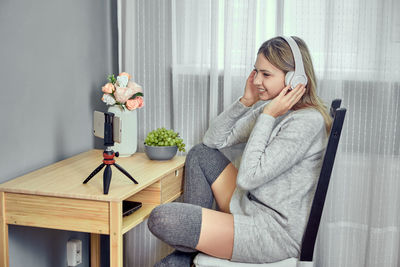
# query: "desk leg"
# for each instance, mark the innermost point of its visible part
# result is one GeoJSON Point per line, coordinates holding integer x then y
{"type": "Point", "coordinates": [4, 260]}
{"type": "Point", "coordinates": [95, 250]}
{"type": "Point", "coordinates": [116, 234]}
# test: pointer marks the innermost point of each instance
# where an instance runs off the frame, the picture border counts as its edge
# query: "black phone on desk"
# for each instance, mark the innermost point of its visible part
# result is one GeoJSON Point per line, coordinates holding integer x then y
{"type": "Point", "coordinates": [128, 207]}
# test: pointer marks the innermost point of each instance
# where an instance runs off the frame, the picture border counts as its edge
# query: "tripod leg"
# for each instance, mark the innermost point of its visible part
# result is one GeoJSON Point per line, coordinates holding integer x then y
{"type": "Point", "coordinates": [94, 173]}
{"type": "Point", "coordinates": [125, 172]}
{"type": "Point", "coordinates": [106, 179]}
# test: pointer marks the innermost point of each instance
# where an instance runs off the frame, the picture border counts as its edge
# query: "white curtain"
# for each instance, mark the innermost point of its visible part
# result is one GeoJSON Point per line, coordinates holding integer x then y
{"type": "Point", "coordinates": [192, 58]}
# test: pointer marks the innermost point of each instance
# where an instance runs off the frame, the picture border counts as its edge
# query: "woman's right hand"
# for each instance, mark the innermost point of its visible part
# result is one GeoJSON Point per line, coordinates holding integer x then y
{"type": "Point", "coordinates": [251, 94]}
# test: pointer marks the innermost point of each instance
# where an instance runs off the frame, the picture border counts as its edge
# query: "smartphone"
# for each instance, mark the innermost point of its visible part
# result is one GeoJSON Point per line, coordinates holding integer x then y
{"type": "Point", "coordinates": [98, 126]}
{"type": "Point", "coordinates": [128, 207]}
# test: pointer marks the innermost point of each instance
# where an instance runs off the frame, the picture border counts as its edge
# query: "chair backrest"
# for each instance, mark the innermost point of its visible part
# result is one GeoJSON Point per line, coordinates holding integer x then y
{"type": "Point", "coordinates": [310, 234]}
{"type": "Point", "coordinates": [334, 106]}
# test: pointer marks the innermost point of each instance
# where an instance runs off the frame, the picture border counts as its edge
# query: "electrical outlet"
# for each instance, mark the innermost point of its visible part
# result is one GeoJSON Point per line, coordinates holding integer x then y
{"type": "Point", "coordinates": [74, 252]}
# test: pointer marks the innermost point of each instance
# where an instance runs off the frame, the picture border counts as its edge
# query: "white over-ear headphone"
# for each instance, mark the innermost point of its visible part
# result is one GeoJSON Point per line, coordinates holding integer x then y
{"type": "Point", "coordinates": [298, 75]}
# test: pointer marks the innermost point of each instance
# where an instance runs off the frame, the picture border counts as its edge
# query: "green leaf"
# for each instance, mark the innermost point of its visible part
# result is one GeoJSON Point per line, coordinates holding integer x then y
{"type": "Point", "coordinates": [111, 79]}
{"type": "Point", "coordinates": [137, 94]}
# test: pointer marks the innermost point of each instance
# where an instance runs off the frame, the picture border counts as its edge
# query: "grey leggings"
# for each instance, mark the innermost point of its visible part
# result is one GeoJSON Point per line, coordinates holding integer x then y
{"type": "Point", "coordinates": [179, 224]}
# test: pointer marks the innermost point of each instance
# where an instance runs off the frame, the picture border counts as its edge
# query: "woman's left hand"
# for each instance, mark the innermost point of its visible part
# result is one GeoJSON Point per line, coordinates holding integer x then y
{"type": "Point", "coordinates": [284, 101]}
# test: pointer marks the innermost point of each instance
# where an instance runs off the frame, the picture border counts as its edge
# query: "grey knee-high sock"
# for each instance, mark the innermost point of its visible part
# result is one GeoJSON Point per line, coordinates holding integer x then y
{"type": "Point", "coordinates": [177, 224]}
{"type": "Point", "coordinates": [202, 167]}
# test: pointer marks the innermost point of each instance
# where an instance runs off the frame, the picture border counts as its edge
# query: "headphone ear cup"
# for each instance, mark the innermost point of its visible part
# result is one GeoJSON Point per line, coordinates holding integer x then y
{"type": "Point", "coordinates": [288, 77]}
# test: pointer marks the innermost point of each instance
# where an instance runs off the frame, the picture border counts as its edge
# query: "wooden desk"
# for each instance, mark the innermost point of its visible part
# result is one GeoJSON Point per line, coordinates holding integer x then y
{"type": "Point", "coordinates": [54, 197]}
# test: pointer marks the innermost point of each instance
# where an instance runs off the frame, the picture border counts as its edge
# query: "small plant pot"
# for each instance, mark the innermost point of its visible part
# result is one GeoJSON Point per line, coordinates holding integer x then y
{"type": "Point", "coordinates": [160, 152]}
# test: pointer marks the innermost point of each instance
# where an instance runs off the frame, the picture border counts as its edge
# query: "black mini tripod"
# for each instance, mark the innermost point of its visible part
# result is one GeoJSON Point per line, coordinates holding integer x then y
{"type": "Point", "coordinates": [108, 155]}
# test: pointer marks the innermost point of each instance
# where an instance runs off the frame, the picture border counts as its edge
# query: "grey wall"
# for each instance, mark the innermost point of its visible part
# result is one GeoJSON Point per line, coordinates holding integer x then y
{"type": "Point", "coordinates": [54, 58]}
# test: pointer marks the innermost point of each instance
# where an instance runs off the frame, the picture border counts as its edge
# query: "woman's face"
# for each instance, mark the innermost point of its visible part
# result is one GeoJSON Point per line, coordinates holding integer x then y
{"type": "Point", "coordinates": [268, 79]}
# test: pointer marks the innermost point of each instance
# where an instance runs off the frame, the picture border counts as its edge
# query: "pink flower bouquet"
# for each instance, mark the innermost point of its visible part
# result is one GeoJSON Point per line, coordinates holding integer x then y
{"type": "Point", "coordinates": [122, 91]}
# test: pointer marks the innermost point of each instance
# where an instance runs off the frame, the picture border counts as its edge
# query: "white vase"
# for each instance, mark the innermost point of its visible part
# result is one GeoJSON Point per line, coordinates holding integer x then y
{"type": "Point", "coordinates": [128, 145]}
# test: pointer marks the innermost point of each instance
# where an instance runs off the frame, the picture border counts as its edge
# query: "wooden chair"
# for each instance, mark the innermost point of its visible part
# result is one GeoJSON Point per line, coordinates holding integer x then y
{"type": "Point", "coordinates": [310, 234]}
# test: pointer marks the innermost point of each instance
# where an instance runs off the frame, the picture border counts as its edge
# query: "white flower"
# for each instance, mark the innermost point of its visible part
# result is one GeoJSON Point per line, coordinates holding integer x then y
{"type": "Point", "coordinates": [122, 81]}
{"type": "Point", "coordinates": [108, 99]}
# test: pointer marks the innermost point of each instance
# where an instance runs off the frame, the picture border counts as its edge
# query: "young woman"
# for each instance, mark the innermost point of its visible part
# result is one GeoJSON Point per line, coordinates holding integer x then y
{"type": "Point", "coordinates": [262, 207]}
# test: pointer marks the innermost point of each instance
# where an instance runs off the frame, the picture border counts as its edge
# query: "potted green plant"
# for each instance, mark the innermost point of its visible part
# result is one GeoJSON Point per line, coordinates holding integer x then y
{"type": "Point", "coordinates": [162, 144]}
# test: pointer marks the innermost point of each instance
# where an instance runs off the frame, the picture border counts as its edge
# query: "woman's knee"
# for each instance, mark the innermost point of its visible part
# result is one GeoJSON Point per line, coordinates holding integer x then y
{"type": "Point", "coordinates": [197, 150]}
{"type": "Point", "coordinates": [207, 157]}
{"type": "Point", "coordinates": [177, 224]}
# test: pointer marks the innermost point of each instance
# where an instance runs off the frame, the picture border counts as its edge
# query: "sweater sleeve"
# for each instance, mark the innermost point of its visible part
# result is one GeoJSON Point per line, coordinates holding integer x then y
{"type": "Point", "coordinates": [263, 161]}
{"type": "Point", "coordinates": [231, 127]}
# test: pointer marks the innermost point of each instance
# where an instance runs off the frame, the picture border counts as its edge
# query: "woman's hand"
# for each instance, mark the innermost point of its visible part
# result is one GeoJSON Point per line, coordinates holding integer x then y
{"type": "Point", "coordinates": [284, 101]}
{"type": "Point", "coordinates": [251, 94]}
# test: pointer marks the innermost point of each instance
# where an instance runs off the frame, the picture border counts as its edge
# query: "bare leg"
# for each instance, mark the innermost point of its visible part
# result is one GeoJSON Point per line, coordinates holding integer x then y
{"type": "Point", "coordinates": [224, 186]}
{"type": "Point", "coordinates": [216, 235]}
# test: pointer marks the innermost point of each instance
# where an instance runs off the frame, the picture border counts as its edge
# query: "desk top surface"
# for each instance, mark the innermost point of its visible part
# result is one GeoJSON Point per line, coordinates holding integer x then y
{"type": "Point", "coordinates": [65, 178]}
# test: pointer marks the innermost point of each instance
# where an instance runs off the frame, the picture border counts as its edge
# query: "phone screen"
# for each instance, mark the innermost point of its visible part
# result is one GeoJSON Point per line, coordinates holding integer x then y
{"type": "Point", "coordinates": [98, 126]}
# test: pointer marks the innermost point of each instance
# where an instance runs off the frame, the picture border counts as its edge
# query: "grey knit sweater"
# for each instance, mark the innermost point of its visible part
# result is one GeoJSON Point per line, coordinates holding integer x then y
{"type": "Point", "coordinates": [280, 163]}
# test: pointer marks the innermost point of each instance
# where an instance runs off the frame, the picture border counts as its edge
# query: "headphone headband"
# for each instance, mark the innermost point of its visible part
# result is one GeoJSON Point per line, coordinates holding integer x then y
{"type": "Point", "coordinates": [299, 75]}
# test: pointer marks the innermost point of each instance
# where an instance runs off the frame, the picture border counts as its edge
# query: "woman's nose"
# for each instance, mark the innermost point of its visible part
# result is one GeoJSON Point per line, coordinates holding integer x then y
{"type": "Point", "coordinates": [257, 79]}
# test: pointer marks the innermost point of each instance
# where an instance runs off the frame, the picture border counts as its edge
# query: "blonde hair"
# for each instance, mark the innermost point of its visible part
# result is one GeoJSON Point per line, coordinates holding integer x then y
{"type": "Point", "coordinates": [278, 52]}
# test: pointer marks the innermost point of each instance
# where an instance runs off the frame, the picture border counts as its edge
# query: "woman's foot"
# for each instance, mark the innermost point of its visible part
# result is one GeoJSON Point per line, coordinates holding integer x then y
{"type": "Point", "coordinates": [177, 259]}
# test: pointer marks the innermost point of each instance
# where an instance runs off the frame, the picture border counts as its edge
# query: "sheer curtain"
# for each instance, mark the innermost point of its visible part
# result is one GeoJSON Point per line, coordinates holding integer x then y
{"type": "Point", "coordinates": [193, 57]}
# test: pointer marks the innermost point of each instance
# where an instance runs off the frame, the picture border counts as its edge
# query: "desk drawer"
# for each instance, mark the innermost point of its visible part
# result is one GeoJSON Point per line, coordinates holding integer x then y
{"type": "Point", "coordinates": [57, 213]}
{"type": "Point", "coordinates": [165, 190]}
